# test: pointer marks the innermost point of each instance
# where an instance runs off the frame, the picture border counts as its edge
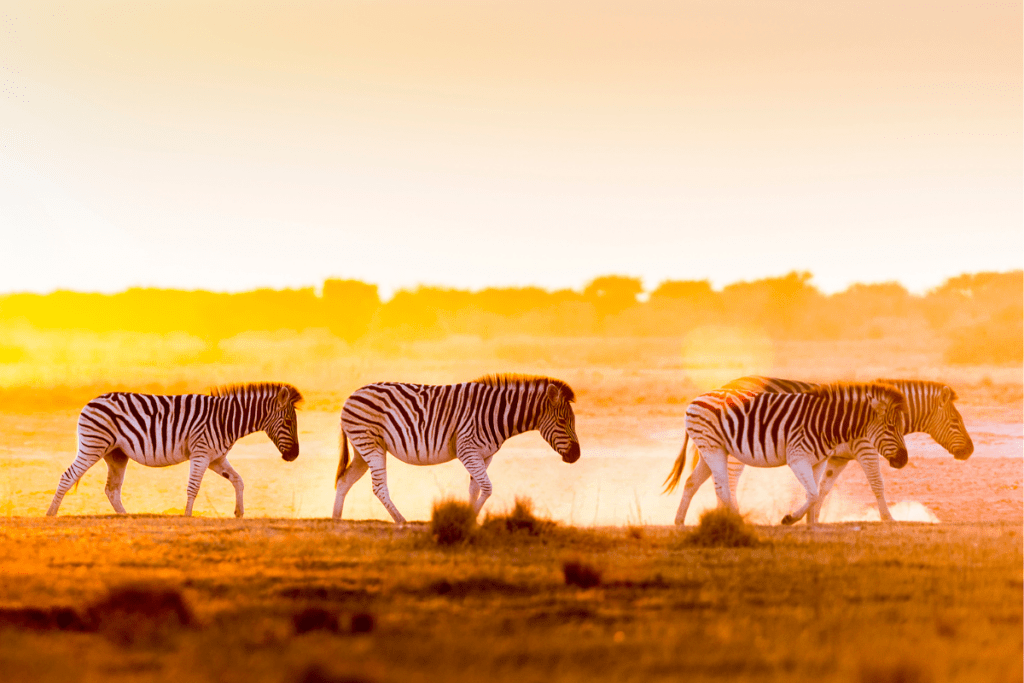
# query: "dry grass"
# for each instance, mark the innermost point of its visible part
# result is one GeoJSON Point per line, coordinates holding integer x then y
{"type": "Point", "coordinates": [722, 527]}
{"type": "Point", "coordinates": [452, 522]}
{"type": "Point", "coordinates": [940, 602]}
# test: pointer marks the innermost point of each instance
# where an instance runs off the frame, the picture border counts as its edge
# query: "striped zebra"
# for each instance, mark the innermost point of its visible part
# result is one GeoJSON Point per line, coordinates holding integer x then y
{"type": "Point", "coordinates": [427, 425]}
{"type": "Point", "coordinates": [930, 410]}
{"type": "Point", "coordinates": [164, 430]}
{"type": "Point", "coordinates": [799, 430]}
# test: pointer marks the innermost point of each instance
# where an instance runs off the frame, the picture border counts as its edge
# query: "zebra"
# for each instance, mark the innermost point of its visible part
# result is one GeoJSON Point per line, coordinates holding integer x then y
{"type": "Point", "coordinates": [165, 430]}
{"type": "Point", "coordinates": [427, 425]}
{"type": "Point", "coordinates": [799, 430]}
{"type": "Point", "coordinates": [930, 410]}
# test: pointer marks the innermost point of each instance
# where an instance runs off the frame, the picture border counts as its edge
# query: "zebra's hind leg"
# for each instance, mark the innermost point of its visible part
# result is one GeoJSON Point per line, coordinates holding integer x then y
{"type": "Point", "coordinates": [356, 469]}
{"type": "Point", "coordinates": [72, 474]}
{"type": "Point", "coordinates": [117, 462]}
{"type": "Point", "coordinates": [224, 469]}
{"type": "Point", "coordinates": [700, 474]}
{"type": "Point", "coordinates": [804, 472]}
{"type": "Point", "coordinates": [379, 478]}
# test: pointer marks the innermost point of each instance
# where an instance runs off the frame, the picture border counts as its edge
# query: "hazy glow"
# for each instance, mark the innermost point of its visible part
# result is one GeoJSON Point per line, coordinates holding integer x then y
{"type": "Point", "coordinates": [237, 144]}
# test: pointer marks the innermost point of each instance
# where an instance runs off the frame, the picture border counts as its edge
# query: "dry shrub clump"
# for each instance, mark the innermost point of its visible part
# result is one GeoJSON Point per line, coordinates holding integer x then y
{"type": "Point", "coordinates": [895, 672]}
{"type": "Point", "coordinates": [579, 573]}
{"type": "Point", "coordinates": [722, 527]}
{"type": "Point", "coordinates": [452, 522]}
{"type": "Point", "coordinates": [521, 519]}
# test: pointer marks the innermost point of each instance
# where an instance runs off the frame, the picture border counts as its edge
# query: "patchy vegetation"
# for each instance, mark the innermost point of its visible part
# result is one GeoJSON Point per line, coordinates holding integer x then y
{"type": "Point", "coordinates": [579, 573]}
{"type": "Point", "coordinates": [452, 522]}
{"type": "Point", "coordinates": [722, 527]}
{"type": "Point", "coordinates": [519, 520]}
{"type": "Point", "coordinates": [278, 601]}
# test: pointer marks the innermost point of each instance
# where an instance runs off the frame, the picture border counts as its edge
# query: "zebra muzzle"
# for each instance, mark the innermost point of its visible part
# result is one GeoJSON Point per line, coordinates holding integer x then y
{"type": "Point", "coordinates": [573, 454]}
{"type": "Point", "coordinates": [900, 459]}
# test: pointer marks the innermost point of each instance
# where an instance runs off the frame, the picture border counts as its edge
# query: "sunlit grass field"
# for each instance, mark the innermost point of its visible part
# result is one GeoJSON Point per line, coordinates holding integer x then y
{"type": "Point", "coordinates": [849, 602]}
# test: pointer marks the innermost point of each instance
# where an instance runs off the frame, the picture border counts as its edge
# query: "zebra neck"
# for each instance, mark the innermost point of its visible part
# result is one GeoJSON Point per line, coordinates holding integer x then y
{"type": "Point", "coordinates": [518, 410]}
{"type": "Point", "coordinates": [244, 415]}
{"type": "Point", "coordinates": [845, 418]}
{"type": "Point", "coordinates": [920, 405]}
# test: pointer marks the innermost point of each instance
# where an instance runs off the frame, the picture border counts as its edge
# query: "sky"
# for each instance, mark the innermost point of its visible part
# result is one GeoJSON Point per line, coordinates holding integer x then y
{"type": "Point", "coordinates": [243, 144]}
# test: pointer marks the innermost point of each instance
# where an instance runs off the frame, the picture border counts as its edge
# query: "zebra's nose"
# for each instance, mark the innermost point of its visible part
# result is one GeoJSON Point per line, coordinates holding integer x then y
{"type": "Point", "coordinates": [965, 451]}
{"type": "Point", "coordinates": [900, 459]}
{"type": "Point", "coordinates": [291, 453]}
{"type": "Point", "coordinates": [573, 455]}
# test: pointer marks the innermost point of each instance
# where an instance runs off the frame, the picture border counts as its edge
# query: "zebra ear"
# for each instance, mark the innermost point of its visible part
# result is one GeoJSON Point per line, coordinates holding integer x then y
{"type": "Point", "coordinates": [879, 406]}
{"type": "Point", "coordinates": [553, 394]}
{"type": "Point", "coordinates": [284, 397]}
{"type": "Point", "coordinates": [946, 395]}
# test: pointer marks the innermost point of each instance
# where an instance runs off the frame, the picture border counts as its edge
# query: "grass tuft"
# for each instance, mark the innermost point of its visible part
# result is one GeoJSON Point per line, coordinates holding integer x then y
{"type": "Point", "coordinates": [452, 522]}
{"type": "Point", "coordinates": [521, 519]}
{"type": "Point", "coordinates": [722, 527]}
{"type": "Point", "coordinates": [134, 613]}
{"type": "Point", "coordinates": [315, 619]}
{"type": "Point", "coordinates": [579, 573]}
{"type": "Point", "coordinates": [895, 672]}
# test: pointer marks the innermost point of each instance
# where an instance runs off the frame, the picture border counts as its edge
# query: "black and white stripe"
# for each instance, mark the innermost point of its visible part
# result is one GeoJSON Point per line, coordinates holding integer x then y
{"type": "Point", "coordinates": [930, 410]}
{"type": "Point", "coordinates": [426, 425]}
{"type": "Point", "coordinates": [798, 430]}
{"type": "Point", "coordinates": [165, 430]}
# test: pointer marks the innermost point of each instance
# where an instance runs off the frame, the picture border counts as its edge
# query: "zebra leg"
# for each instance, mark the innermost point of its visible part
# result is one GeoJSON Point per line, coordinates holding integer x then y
{"type": "Point", "coordinates": [477, 468]}
{"type": "Point", "coordinates": [117, 462]}
{"type": "Point", "coordinates": [379, 478]}
{"type": "Point", "coordinates": [474, 487]}
{"type": "Point", "coordinates": [72, 474]}
{"type": "Point", "coordinates": [356, 469]}
{"type": "Point", "coordinates": [832, 469]}
{"type": "Point", "coordinates": [804, 472]}
{"type": "Point", "coordinates": [197, 465]}
{"type": "Point", "coordinates": [700, 474]}
{"type": "Point", "coordinates": [718, 462]}
{"type": "Point", "coordinates": [224, 469]}
{"type": "Point", "coordinates": [735, 470]}
{"type": "Point", "coordinates": [868, 459]}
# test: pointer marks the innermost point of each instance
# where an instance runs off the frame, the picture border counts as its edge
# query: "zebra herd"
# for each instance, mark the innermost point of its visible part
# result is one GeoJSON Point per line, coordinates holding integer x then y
{"type": "Point", "coordinates": [760, 421]}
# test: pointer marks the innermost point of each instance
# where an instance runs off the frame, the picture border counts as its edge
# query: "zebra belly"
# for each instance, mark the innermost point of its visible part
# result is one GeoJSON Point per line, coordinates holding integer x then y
{"type": "Point", "coordinates": [153, 456]}
{"type": "Point", "coordinates": [420, 457]}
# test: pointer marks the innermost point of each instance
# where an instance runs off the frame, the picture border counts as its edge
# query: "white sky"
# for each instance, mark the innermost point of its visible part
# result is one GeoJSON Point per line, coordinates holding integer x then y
{"type": "Point", "coordinates": [483, 144]}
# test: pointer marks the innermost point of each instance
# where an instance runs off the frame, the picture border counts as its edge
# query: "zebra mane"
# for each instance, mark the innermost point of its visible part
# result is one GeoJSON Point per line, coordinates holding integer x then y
{"type": "Point", "coordinates": [257, 387]}
{"type": "Point", "coordinates": [937, 386]}
{"type": "Point", "coordinates": [882, 390]}
{"type": "Point", "coordinates": [512, 378]}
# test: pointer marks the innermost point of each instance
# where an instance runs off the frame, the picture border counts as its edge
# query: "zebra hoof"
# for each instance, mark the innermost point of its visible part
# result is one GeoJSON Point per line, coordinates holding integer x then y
{"type": "Point", "coordinates": [788, 519]}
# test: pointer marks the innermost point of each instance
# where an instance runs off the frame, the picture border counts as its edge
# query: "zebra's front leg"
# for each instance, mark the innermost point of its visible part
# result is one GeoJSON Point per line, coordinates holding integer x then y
{"type": "Point", "coordinates": [72, 474]}
{"type": "Point", "coordinates": [224, 469]}
{"type": "Point", "coordinates": [804, 472]}
{"type": "Point", "coordinates": [700, 474]}
{"type": "Point", "coordinates": [197, 465]}
{"type": "Point", "coordinates": [117, 462]}
{"type": "Point", "coordinates": [833, 467]}
{"type": "Point", "coordinates": [474, 487]}
{"type": "Point", "coordinates": [735, 470]}
{"type": "Point", "coordinates": [868, 459]}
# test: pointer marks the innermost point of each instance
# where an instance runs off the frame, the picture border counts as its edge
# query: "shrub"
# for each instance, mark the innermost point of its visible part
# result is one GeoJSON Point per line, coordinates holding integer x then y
{"type": "Point", "coordinates": [579, 573]}
{"type": "Point", "coordinates": [134, 612]}
{"type": "Point", "coordinates": [520, 519]}
{"type": "Point", "coordinates": [315, 619]}
{"type": "Point", "coordinates": [452, 521]}
{"type": "Point", "coordinates": [722, 527]}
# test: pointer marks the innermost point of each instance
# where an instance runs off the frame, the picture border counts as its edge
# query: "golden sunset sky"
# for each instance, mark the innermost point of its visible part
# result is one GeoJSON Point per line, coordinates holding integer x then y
{"type": "Point", "coordinates": [231, 145]}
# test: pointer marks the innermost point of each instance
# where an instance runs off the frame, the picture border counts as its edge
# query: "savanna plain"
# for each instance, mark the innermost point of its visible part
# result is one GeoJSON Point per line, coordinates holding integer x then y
{"type": "Point", "coordinates": [608, 590]}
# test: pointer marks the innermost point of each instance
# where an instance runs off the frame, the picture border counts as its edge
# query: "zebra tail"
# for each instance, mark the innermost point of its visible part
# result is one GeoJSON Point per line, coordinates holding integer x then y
{"type": "Point", "coordinates": [677, 470]}
{"type": "Point", "coordinates": [343, 460]}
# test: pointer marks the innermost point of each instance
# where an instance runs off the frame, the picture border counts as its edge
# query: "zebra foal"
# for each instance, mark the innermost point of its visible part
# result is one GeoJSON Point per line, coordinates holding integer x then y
{"type": "Point", "coordinates": [798, 430]}
{"type": "Point", "coordinates": [158, 431]}
{"type": "Point", "coordinates": [427, 425]}
{"type": "Point", "coordinates": [930, 409]}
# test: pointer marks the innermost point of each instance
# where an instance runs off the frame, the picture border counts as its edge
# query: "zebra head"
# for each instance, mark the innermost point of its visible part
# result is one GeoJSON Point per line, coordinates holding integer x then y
{"type": "Point", "coordinates": [946, 426]}
{"type": "Point", "coordinates": [281, 425]}
{"type": "Point", "coordinates": [888, 425]}
{"type": "Point", "coordinates": [557, 423]}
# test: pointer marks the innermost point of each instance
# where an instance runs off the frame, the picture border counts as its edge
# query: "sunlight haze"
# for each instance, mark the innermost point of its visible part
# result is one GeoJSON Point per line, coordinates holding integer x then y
{"type": "Point", "coordinates": [474, 144]}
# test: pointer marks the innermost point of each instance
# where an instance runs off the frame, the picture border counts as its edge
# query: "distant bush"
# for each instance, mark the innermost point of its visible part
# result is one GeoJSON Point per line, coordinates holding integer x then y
{"type": "Point", "coordinates": [315, 619]}
{"type": "Point", "coordinates": [579, 573]}
{"type": "Point", "coordinates": [140, 613]}
{"type": "Point", "coordinates": [452, 522]}
{"type": "Point", "coordinates": [722, 527]}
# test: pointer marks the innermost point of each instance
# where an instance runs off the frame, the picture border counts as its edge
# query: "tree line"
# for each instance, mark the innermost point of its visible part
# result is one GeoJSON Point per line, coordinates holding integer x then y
{"type": "Point", "coordinates": [981, 313]}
